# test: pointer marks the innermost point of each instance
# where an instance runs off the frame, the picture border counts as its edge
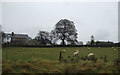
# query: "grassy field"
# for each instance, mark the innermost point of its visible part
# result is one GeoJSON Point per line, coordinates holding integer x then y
{"type": "Point", "coordinates": [24, 53]}
{"type": "Point", "coordinates": [33, 57]}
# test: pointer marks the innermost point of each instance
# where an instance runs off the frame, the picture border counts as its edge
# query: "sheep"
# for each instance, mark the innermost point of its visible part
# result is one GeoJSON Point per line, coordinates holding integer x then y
{"type": "Point", "coordinates": [76, 53]}
{"type": "Point", "coordinates": [88, 48]}
{"type": "Point", "coordinates": [90, 54]}
{"type": "Point", "coordinates": [114, 49]}
{"type": "Point", "coordinates": [63, 51]}
{"type": "Point", "coordinates": [91, 57]}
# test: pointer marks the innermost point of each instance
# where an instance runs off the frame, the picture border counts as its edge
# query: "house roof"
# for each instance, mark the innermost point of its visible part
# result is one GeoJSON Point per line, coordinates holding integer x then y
{"type": "Point", "coordinates": [104, 42]}
{"type": "Point", "coordinates": [20, 36]}
{"type": "Point", "coordinates": [17, 35]}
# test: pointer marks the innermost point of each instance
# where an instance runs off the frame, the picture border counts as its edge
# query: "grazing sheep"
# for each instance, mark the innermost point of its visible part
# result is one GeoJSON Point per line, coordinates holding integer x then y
{"type": "Point", "coordinates": [91, 57]}
{"type": "Point", "coordinates": [63, 51]}
{"type": "Point", "coordinates": [114, 49]}
{"type": "Point", "coordinates": [88, 48]}
{"type": "Point", "coordinates": [90, 54]}
{"type": "Point", "coordinates": [99, 47]}
{"type": "Point", "coordinates": [76, 53]}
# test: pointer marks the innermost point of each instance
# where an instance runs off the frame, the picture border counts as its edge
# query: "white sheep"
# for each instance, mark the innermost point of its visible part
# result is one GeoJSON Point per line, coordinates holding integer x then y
{"type": "Point", "coordinates": [90, 54]}
{"type": "Point", "coordinates": [88, 48]}
{"type": "Point", "coordinates": [76, 53]}
{"type": "Point", "coordinates": [114, 49]}
{"type": "Point", "coordinates": [63, 51]}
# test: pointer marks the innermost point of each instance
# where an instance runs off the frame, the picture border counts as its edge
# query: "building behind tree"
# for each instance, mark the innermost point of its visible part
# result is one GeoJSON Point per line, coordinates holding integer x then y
{"type": "Point", "coordinates": [16, 39]}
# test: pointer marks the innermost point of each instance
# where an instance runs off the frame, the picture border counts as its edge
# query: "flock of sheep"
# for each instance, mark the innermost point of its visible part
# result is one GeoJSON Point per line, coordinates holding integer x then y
{"type": "Point", "coordinates": [91, 54]}
{"type": "Point", "coordinates": [77, 52]}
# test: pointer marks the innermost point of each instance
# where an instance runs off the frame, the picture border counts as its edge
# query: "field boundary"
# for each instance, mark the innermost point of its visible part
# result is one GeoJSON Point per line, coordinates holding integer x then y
{"type": "Point", "coordinates": [7, 45]}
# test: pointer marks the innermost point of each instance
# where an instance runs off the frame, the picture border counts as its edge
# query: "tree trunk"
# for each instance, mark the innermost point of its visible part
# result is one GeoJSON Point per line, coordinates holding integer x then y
{"type": "Point", "coordinates": [63, 42]}
{"type": "Point", "coordinates": [63, 39]}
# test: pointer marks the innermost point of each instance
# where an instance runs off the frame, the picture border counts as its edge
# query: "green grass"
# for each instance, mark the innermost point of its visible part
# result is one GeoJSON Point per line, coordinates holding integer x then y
{"type": "Point", "coordinates": [25, 53]}
{"type": "Point", "coordinates": [47, 66]}
{"type": "Point", "coordinates": [46, 60]}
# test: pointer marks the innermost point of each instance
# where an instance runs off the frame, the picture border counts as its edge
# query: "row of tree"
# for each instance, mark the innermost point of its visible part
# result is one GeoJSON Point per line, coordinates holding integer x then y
{"type": "Point", "coordinates": [64, 33]}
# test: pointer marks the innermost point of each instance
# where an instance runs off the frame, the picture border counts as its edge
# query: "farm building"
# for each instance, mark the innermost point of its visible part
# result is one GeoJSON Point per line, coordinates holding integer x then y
{"type": "Point", "coordinates": [104, 43]}
{"type": "Point", "coordinates": [15, 38]}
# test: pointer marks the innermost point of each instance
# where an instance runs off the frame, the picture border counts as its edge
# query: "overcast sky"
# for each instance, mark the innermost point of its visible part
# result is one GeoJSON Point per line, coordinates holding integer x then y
{"type": "Point", "coordinates": [90, 18]}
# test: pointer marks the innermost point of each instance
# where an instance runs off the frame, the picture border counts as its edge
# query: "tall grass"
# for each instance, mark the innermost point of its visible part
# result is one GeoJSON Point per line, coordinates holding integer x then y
{"type": "Point", "coordinates": [47, 66]}
{"type": "Point", "coordinates": [46, 60]}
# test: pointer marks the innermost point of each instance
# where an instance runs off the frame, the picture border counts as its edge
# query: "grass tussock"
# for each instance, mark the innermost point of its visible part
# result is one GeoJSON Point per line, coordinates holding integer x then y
{"type": "Point", "coordinates": [47, 66]}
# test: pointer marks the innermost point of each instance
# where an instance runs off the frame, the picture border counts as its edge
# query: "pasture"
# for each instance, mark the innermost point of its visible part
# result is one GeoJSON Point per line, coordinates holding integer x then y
{"type": "Point", "coordinates": [25, 53]}
{"type": "Point", "coordinates": [46, 60]}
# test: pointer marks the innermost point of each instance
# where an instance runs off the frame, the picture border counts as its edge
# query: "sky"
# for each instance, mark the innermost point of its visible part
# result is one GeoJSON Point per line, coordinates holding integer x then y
{"type": "Point", "coordinates": [99, 19]}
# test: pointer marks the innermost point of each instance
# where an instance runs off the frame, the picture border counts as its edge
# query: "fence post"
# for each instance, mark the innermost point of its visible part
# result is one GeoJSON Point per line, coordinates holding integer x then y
{"type": "Point", "coordinates": [6, 55]}
{"type": "Point", "coordinates": [60, 57]}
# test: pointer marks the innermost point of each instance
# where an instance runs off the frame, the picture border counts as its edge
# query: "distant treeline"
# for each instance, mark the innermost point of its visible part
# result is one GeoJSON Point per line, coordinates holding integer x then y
{"type": "Point", "coordinates": [9, 45]}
